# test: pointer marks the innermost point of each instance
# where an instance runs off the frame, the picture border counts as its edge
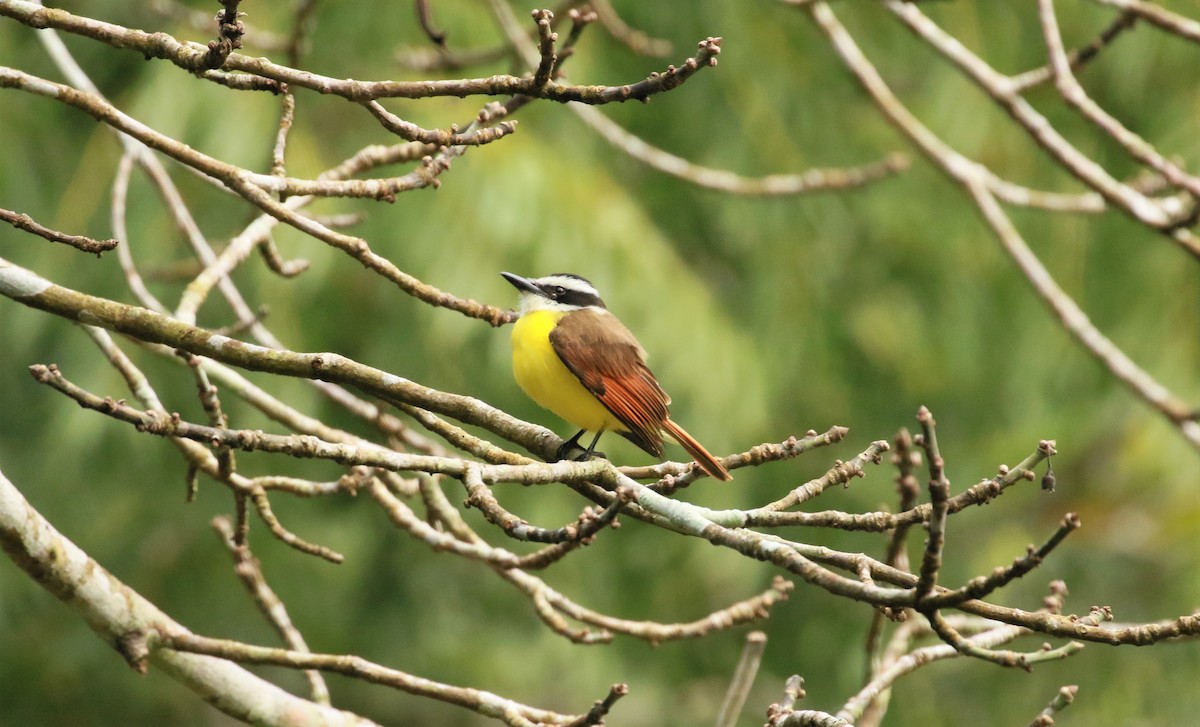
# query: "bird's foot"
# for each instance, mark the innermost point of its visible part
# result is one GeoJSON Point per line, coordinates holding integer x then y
{"type": "Point", "coordinates": [569, 447]}
{"type": "Point", "coordinates": [570, 451]}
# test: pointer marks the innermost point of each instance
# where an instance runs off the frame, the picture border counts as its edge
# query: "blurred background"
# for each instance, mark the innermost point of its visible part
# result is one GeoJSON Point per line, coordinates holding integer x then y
{"type": "Point", "coordinates": [763, 317]}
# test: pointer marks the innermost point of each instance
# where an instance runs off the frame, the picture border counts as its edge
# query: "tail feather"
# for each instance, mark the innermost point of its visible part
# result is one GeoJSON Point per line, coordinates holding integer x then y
{"type": "Point", "coordinates": [707, 462]}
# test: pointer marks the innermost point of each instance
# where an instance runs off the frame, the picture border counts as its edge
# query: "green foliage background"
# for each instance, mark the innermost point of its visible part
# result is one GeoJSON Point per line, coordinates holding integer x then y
{"type": "Point", "coordinates": [764, 317]}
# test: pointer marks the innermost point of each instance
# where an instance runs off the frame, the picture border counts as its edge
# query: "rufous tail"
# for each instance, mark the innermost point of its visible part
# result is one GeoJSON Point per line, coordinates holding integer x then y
{"type": "Point", "coordinates": [707, 462]}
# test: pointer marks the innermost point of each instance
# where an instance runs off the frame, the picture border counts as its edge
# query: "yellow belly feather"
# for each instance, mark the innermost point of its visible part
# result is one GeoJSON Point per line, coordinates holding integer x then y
{"type": "Point", "coordinates": [543, 376]}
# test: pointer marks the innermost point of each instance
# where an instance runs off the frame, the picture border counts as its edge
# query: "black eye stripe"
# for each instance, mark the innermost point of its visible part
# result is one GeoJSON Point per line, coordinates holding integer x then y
{"type": "Point", "coordinates": [580, 298]}
{"type": "Point", "coordinates": [571, 296]}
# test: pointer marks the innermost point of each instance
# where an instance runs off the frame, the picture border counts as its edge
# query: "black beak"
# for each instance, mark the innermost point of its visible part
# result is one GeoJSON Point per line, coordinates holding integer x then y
{"type": "Point", "coordinates": [521, 284]}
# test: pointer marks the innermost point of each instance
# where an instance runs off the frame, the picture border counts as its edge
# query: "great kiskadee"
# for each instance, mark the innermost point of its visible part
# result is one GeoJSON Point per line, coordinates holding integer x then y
{"type": "Point", "coordinates": [575, 358]}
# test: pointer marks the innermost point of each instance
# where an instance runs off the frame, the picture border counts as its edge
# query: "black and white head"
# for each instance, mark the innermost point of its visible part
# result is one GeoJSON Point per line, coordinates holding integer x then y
{"type": "Point", "coordinates": [558, 292]}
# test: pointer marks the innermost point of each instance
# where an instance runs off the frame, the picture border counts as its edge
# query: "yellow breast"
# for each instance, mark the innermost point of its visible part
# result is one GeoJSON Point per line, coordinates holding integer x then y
{"type": "Point", "coordinates": [543, 376]}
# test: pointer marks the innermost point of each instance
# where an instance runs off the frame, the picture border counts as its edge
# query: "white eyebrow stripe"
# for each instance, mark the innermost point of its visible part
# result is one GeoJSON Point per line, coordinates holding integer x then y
{"type": "Point", "coordinates": [569, 283]}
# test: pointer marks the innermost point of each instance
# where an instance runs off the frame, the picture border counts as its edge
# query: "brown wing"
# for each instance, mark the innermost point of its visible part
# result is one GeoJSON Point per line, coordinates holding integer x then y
{"type": "Point", "coordinates": [608, 360]}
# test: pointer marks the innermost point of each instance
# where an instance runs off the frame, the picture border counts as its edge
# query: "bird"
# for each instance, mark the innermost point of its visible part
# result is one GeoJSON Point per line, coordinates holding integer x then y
{"type": "Point", "coordinates": [575, 358]}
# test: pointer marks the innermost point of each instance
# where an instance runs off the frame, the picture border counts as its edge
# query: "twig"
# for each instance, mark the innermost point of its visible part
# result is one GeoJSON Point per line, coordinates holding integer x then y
{"type": "Point", "coordinates": [460, 439]}
{"type": "Point", "coordinates": [1073, 92]}
{"type": "Point", "coordinates": [831, 179]}
{"type": "Point", "coordinates": [403, 517]}
{"type": "Point", "coordinates": [1149, 212]}
{"type": "Point", "coordinates": [126, 620]}
{"type": "Point", "coordinates": [439, 137]}
{"type": "Point", "coordinates": [286, 117]}
{"type": "Point", "coordinates": [1024, 660]}
{"type": "Point", "coordinates": [743, 679]}
{"type": "Point", "coordinates": [808, 718]}
{"type": "Point", "coordinates": [211, 402]}
{"type": "Point", "coordinates": [981, 586]}
{"type": "Point", "coordinates": [632, 38]}
{"type": "Point", "coordinates": [900, 662]}
{"type": "Point", "coordinates": [1164, 19]}
{"type": "Point", "coordinates": [674, 476]}
{"type": "Point", "coordinates": [599, 710]}
{"type": "Point", "coordinates": [30, 289]}
{"type": "Point", "coordinates": [192, 57]}
{"type": "Point", "coordinates": [751, 609]}
{"type": "Point", "coordinates": [79, 242]}
{"type": "Point", "coordinates": [249, 185]}
{"type": "Point", "coordinates": [229, 35]}
{"type": "Point", "coordinates": [276, 263]}
{"type": "Point", "coordinates": [120, 196]}
{"type": "Point", "coordinates": [301, 23]}
{"type": "Point", "coordinates": [785, 714]}
{"type": "Point", "coordinates": [247, 567]}
{"type": "Point", "coordinates": [441, 58]}
{"type": "Point", "coordinates": [939, 494]}
{"type": "Point", "coordinates": [263, 506]}
{"type": "Point", "coordinates": [907, 459]}
{"type": "Point", "coordinates": [979, 184]}
{"type": "Point", "coordinates": [814, 180]}
{"type": "Point", "coordinates": [1061, 701]}
{"type": "Point", "coordinates": [978, 494]}
{"type": "Point", "coordinates": [1079, 57]}
{"type": "Point", "coordinates": [198, 455]}
{"type": "Point", "coordinates": [546, 40]}
{"type": "Point", "coordinates": [425, 20]}
{"type": "Point", "coordinates": [582, 530]}
{"type": "Point", "coordinates": [305, 488]}
{"type": "Point", "coordinates": [840, 474]}
{"type": "Point", "coordinates": [289, 417]}
{"type": "Point", "coordinates": [1077, 323]}
{"type": "Point", "coordinates": [202, 21]}
{"type": "Point", "coordinates": [476, 700]}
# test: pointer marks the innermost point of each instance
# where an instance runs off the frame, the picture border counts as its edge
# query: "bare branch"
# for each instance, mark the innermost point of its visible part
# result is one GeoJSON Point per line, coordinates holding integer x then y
{"type": "Point", "coordinates": [249, 570]}
{"type": "Point", "coordinates": [1155, 14]}
{"type": "Point", "coordinates": [229, 35]}
{"type": "Point", "coordinates": [476, 700]}
{"type": "Point", "coordinates": [978, 183]}
{"type": "Point", "coordinates": [79, 242]}
{"type": "Point", "coordinates": [1077, 323]}
{"type": "Point", "coordinates": [632, 38]}
{"type": "Point", "coordinates": [1079, 57]}
{"type": "Point", "coordinates": [193, 57]}
{"type": "Point", "coordinates": [999, 87]}
{"type": "Point", "coordinates": [772, 185]}
{"type": "Point", "coordinates": [743, 679]}
{"type": "Point", "coordinates": [438, 137]}
{"type": "Point", "coordinates": [1024, 660]}
{"type": "Point", "coordinates": [1061, 701]}
{"type": "Point", "coordinates": [939, 494]}
{"type": "Point", "coordinates": [134, 626]}
{"type": "Point", "coordinates": [1073, 92]}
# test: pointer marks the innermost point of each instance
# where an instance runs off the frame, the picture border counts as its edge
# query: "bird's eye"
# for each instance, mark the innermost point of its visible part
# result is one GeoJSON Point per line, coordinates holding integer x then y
{"type": "Point", "coordinates": [558, 292]}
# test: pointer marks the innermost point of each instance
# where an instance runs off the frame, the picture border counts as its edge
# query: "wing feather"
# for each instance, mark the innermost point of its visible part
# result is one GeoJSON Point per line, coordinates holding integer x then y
{"type": "Point", "coordinates": [610, 363]}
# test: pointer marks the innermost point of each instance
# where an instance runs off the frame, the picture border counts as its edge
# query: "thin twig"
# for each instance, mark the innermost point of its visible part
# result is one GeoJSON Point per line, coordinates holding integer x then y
{"type": "Point", "coordinates": [1061, 701]}
{"type": "Point", "coordinates": [1155, 14]}
{"type": "Point", "coordinates": [286, 117]}
{"type": "Point", "coordinates": [79, 242]}
{"type": "Point", "coordinates": [1073, 93]}
{"type": "Point", "coordinates": [743, 679]}
{"type": "Point", "coordinates": [477, 700]}
{"type": "Point", "coordinates": [939, 494]}
{"type": "Point", "coordinates": [1078, 57]}
{"type": "Point", "coordinates": [247, 567]}
{"type": "Point", "coordinates": [193, 57]}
